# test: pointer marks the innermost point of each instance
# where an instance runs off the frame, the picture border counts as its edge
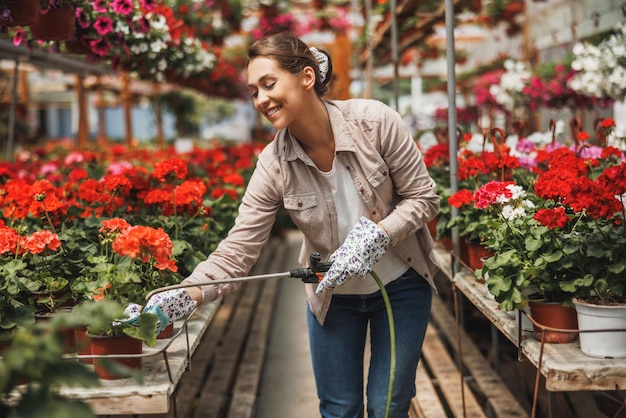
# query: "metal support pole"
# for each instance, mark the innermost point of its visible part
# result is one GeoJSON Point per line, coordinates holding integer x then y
{"type": "Point", "coordinates": [12, 110]}
{"type": "Point", "coordinates": [370, 53]}
{"type": "Point", "coordinates": [452, 132]}
{"type": "Point", "coordinates": [495, 347]}
{"type": "Point", "coordinates": [394, 54]}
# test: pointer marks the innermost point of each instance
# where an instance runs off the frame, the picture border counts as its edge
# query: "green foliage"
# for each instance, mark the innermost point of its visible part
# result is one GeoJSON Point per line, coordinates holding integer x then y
{"type": "Point", "coordinates": [107, 318]}
{"type": "Point", "coordinates": [35, 360]}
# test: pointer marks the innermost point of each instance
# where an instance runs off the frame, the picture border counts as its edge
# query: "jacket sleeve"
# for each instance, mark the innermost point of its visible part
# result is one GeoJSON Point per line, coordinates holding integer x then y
{"type": "Point", "coordinates": [418, 201]}
{"type": "Point", "coordinates": [237, 253]}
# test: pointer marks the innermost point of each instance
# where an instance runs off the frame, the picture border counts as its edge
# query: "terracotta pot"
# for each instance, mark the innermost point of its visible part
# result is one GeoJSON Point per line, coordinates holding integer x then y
{"type": "Point", "coordinates": [168, 332]}
{"type": "Point", "coordinates": [554, 315]}
{"type": "Point", "coordinates": [475, 255]}
{"type": "Point", "coordinates": [82, 344]}
{"type": "Point", "coordinates": [121, 344]}
{"type": "Point", "coordinates": [21, 13]}
{"type": "Point", "coordinates": [57, 24]}
{"type": "Point", "coordinates": [67, 333]}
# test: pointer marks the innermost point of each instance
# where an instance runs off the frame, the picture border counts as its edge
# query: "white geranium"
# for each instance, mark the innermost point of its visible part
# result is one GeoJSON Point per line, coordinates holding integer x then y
{"type": "Point", "coordinates": [600, 70]}
{"type": "Point", "coordinates": [508, 93]}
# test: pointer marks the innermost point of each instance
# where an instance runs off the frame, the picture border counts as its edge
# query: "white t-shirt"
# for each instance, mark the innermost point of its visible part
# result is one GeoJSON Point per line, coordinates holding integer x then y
{"type": "Point", "coordinates": [350, 207]}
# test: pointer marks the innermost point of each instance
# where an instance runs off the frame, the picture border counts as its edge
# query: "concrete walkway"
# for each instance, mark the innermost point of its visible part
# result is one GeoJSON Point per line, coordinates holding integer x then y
{"type": "Point", "coordinates": [287, 387]}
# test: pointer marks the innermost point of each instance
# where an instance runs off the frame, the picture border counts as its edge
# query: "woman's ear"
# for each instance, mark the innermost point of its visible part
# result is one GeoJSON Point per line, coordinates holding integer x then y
{"type": "Point", "coordinates": [308, 77]}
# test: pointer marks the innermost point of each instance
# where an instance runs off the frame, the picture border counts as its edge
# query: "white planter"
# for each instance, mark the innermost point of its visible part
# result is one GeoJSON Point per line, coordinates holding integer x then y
{"type": "Point", "coordinates": [601, 344]}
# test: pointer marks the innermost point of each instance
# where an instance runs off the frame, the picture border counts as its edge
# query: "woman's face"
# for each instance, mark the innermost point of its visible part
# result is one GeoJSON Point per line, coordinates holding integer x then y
{"type": "Point", "coordinates": [276, 93]}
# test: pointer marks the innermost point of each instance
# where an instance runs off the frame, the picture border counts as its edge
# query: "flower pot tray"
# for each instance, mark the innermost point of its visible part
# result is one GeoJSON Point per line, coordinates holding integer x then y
{"type": "Point", "coordinates": [564, 366]}
{"type": "Point", "coordinates": [162, 368]}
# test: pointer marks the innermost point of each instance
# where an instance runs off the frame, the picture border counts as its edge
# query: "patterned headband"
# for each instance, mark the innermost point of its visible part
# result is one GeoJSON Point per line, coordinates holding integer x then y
{"type": "Point", "coordinates": [322, 61]}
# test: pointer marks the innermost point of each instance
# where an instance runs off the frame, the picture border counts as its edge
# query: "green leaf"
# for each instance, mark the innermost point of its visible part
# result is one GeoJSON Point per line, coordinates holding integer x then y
{"type": "Point", "coordinates": [145, 329]}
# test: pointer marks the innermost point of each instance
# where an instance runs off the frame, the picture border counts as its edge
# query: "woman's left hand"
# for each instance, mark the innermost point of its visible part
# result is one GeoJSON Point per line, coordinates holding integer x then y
{"type": "Point", "coordinates": [365, 245]}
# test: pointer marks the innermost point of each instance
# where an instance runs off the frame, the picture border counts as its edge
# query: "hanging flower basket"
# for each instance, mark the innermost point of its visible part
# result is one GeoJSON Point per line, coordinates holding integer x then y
{"type": "Point", "coordinates": [19, 13]}
{"type": "Point", "coordinates": [54, 24]}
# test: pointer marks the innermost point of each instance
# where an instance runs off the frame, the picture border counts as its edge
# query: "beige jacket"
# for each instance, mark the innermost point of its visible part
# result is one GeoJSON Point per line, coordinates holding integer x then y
{"type": "Point", "coordinates": [375, 145]}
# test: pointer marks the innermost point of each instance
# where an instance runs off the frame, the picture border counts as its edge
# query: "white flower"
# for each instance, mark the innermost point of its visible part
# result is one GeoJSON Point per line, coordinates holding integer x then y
{"type": "Point", "coordinates": [599, 70]}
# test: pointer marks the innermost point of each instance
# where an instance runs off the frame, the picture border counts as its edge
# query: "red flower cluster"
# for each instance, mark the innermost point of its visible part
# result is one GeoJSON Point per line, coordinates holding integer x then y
{"type": "Point", "coordinates": [39, 242]}
{"type": "Point", "coordinates": [489, 163]}
{"type": "Point", "coordinates": [568, 181]}
{"type": "Point", "coordinates": [142, 242]}
{"type": "Point", "coordinates": [437, 155]}
{"type": "Point", "coordinates": [552, 218]}
{"type": "Point", "coordinates": [170, 170]}
{"type": "Point", "coordinates": [461, 198]}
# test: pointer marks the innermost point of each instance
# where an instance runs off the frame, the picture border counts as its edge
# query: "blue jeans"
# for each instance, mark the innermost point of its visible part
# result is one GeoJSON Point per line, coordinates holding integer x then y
{"type": "Point", "coordinates": [337, 349]}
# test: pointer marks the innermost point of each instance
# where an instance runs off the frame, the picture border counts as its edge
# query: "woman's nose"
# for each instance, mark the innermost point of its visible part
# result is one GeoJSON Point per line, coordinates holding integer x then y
{"type": "Point", "coordinates": [262, 99]}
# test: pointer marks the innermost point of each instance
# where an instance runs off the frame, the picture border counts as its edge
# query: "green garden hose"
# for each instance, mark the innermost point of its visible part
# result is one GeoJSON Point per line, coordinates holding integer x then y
{"type": "Point", "coordinates": [392, 341]}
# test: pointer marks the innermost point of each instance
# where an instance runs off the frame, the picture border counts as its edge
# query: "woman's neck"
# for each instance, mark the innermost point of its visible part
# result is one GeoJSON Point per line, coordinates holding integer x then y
{"type": "Point", "coordinates": [314, 133]}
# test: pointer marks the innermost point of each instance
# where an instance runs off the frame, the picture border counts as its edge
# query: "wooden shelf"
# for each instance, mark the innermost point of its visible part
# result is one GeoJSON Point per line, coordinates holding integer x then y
{"type": "Point", "coordinates": [564, 366]}
{"type": "Point", "coordinates": [405, 9]}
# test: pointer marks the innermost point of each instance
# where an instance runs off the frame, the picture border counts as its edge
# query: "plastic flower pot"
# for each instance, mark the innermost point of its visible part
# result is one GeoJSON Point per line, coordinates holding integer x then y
{"type": "Point", "coordinates": [118, 344]}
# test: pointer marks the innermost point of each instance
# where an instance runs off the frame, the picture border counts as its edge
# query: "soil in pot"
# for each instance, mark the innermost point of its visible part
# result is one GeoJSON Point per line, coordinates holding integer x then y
{"type": "Point", "coordinates": [554, 315]}
{"type": "Point", "coordinates": [121, 344]}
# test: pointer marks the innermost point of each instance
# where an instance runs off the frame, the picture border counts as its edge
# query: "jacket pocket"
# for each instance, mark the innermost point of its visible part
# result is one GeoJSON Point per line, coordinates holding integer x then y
{"type": "Point", "coordinates": [378, 175]}
{"type": "Point", "coordinates": [303, 210]}
{"type": "Point", "coordinates": [300, 202]}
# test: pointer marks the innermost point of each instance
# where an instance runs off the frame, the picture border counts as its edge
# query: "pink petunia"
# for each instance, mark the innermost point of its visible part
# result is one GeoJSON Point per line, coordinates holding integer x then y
{"type": "Point", "coordinates": [123, 7]}
{"type": "Point", "coordinates": [100, 47]}
{"type": "Point", "coordinates": [103, 25]}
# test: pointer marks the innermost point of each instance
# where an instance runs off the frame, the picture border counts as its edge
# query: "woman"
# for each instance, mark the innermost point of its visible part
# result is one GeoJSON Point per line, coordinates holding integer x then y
{"type": "Point", "coordinates": [354, 182]}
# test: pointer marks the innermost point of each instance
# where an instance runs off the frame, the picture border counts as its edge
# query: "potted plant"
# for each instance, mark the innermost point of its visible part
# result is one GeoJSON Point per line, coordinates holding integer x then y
{"type": "Point", "coordinates": [35, 366]}
{"type": "Point", "coordinates": [56, 20]}
{"type": "Point", "coordinates": [520, 272]}
{"type": "Point", "coordinates": [588, 219]}
{"type": "Point", "coordinates": [475, 170]}
{"type": "Point", "coordinates": [571, 245]}
{"type": "Point", "coordinates": [109, 332]}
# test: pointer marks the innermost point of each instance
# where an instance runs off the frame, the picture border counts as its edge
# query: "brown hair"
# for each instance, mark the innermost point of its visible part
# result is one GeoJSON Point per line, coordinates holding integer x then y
{"type": "Point", "coordinates": [293, 55]}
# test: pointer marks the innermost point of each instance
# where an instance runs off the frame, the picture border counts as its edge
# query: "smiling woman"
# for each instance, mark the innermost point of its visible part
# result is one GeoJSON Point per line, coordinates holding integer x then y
{"type": "Point", "coordinates": [353, 181]}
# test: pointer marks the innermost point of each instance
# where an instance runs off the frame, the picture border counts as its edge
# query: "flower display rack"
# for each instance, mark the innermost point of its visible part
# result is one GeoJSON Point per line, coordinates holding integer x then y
{"type": "Point", "coordinates": [564, 366]}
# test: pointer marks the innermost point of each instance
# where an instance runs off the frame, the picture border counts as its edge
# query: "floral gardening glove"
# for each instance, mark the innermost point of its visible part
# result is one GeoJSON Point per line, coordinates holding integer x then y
{"type": "Point", "coordinates": [365, 245]}
{"type": "Point", "coordinates": [168, 306]}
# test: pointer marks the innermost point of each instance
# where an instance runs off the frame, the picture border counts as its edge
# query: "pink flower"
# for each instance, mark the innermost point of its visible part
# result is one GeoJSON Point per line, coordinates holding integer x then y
{"type": "Point", "coordinates": [100, 47]}
{"type": "Point", "coordinates": [19, 37]}
{"type": "Point", "coordinates": [100, 6]}
{"type": "Point", "coordinates": [103, 25]}
{"type": "Point", "coordinates": [489, 193]}
{"type": "Point", "coordinates": [82, 18]}
{"type": "Point", "coordinates": [123, 7]}
{"type": "Point", "coordinates": [148, 4]}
